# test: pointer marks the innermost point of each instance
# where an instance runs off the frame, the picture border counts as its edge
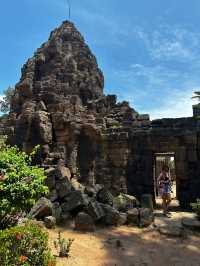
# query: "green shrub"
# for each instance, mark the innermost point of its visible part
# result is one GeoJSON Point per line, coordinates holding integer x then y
{"type": "Point", "coordinates": [23, 184]}
{"type": "Point", "coordinates": [196, 207]}
{"type": "Point", "coordinates": [25, 245]}
{"type": "Point", "coordinates": [63, 246]}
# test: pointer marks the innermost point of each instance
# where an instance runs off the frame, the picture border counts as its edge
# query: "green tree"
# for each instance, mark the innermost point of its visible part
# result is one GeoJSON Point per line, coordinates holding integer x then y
{"type": "Point", "coordinates": [22, 184]}
{"type": "Point", "coordinates": [6, 100]}
{"type": "Point", "coordinates": [196, 95]}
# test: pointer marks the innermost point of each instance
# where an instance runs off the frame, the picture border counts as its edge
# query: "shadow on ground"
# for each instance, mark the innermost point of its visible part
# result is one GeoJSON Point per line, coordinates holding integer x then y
{"type": "Point", "coordinates": [129, 246]}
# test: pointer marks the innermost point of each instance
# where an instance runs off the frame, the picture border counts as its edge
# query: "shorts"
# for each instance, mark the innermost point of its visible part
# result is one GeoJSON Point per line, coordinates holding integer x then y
{"type": "Point", "coordinates": [165, 190]}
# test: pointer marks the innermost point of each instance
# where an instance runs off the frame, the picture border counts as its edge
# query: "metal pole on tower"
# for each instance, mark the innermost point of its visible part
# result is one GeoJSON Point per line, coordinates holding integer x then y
{"type": "Point", "coordinates": [69, 8]}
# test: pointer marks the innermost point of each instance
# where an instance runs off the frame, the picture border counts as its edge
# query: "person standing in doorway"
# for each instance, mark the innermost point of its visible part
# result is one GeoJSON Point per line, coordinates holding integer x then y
{"type": "Point", "coordinates": [164, 188]}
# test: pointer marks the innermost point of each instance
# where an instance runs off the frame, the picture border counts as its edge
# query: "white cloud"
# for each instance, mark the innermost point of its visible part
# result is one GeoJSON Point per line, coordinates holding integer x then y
{"type": "Point", "coordinates": [164, 93]}
{"type": "Point", "coordinates": [170, 49]}
{"type": "Point", "coordinates": [180, 105]}
{"type": "Point", "coordinates": [155, 75]}
{"type": "Point", "coordinates": [168, 43]}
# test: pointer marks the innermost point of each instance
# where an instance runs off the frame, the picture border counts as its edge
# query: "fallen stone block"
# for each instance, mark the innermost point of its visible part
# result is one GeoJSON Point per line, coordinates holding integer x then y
{"type": "Point", "coordinates": [124, 202]}
{"type": "Point", "coordinates": [90, 191]}
{"type": "Point", "coordinates": [95, 210]}
{"type": "Point", "coordinates": [75, 200]}
{"type": "Point", "coordinates": [112, 216]}
{"type": "Point", "coordinates": [41, 209]}
{"type": "Point", "coordinates": [171, 231]}
{"type": "Point", "coordinates": [50, 222]}
{"type": "Point", "coordinates": [76, 186]}
{"type": "Point", "coordinates": [146, 217]}
{"type": "Point", "coordinates": [62, 173]}
{"type": "Point", "coordinates": [133, 216]}
{"type": "Point", "coordinates": [53, 196]}
{"type": "Point", "coordinates": [63, 188]}
{"type": "Point", "coordinates": [122, 218]}
{"type": "Point", "coordinates": [84, 222]}
{"type": "Point", "coordinates": [191, 223]}
{"type": "Point", "coordinates": [104, 196]}
{"type": "Point", "coordinates": [50, 181]}
{"type": "Point", "coordinates": [56, 211]}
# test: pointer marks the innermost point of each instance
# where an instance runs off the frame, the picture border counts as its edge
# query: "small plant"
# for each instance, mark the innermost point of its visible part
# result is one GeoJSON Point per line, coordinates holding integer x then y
{"type": "Point", "coordinates": [63, 246]}
{"type": "Point", "coordinates": [25, 245]}
{"type": "Point", "coordinates": [196, 207]}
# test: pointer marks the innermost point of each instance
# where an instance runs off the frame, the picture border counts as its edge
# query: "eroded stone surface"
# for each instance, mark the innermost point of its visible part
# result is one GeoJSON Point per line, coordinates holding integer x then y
{"type": "Point", "coordinates": [59, 103]}
{"type": "Point", "coordinates": [84, 222]}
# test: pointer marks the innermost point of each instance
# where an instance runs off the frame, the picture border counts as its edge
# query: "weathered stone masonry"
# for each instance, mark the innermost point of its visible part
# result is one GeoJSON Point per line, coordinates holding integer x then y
{"type": "Point", "coordinates": [59, 103]}
{"type": "Point", "coordinates": [180, 136]}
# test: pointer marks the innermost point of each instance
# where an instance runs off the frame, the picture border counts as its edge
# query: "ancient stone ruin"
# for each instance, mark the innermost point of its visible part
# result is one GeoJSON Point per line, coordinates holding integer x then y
{"type": "Point", "coordinates": [59, 103]}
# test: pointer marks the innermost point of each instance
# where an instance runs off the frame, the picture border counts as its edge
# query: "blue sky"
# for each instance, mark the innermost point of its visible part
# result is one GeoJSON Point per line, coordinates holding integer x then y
{"type": "Point", "coordinates": [149, 51]}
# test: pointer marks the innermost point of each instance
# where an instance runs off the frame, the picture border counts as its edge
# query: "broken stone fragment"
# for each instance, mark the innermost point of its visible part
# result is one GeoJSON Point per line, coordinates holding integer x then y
{"type": "Point", "coordinates": [41, 209]}
{"type": "Point", "coordinates": [65, 217]}
{"type": "Point", "coordinates": [52, 196]}
{"type": "Point", "coordinates": [171, 230]}
{"type": "Point", "coordinates": [191, 223]}
{"type": "Point", "coordinates": [122, 218]}
{"type": "Point", "coordinates": [50, 222]}
{"type": "Point", "coordinates": [56, 211]}
{"type": "Point", "coordinates": [112, 216]}
{"type": "Point", "coordinates": [104, 196]}
{"type": "Point", "coordinates": [84, 222]}
{"type": "Point", "coordinates": [42, 126]}
{"type": "Point", "coordinates": [62, 173]}
{"type": "Point", "coordinates": [77, 186]}
{"type": "Point", "coordinates": [90, 191]}
{"type": "Point", "coordinates": [50, 181]}
{"type": "Point", "coordinates": [76, 200]}
{"type": "Point", "coordinates": [133, 216]}
{"type": "Point", "coordinates": [95, 210]}
{"type": "Point", "coordinates": [63, 188]}
{"type": "Point", "coordinates": [146, 217]}
{"type": "Point", "coordinates": [124, 202]}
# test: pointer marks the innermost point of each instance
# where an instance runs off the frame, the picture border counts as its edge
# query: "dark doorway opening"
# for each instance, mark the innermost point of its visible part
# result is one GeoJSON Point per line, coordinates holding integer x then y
{"type": "Point", "coordinates": [85, 158]}
{"type": "Point", "coordinates": [161, 159]}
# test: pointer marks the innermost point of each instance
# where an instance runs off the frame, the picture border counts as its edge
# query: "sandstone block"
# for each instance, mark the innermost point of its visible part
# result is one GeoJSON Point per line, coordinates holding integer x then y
{"type": "Point", "coordinates": [84, 222]}
{"type": "Point", "coordinates": [50, 222]}
{"type": "Point", "coordinates": [41, 209]}
{"type": "Point", "coordinates": [146, 217]}
{"type": "Point", "coordinates": [133, 216]}
{"type": "Point", "coordinates": [75, 200]}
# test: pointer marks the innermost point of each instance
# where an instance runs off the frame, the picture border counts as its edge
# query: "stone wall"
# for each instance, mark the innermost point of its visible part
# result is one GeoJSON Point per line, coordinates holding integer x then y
{"type": "Point", "coordinates": [180, 136]}
{"type": "Point", "coordinates": [59, 103]}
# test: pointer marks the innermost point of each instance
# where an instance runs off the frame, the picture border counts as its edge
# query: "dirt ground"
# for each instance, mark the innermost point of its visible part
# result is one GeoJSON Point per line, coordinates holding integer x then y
{"type": "Point", "coordinates": [139, 247]}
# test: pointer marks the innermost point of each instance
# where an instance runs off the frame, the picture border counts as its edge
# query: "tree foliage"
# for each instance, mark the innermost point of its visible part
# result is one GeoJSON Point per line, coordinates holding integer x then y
{"type": "Point", "coordinates": [23, 184]}
{"type": "Point", "coordinates": [6, 101]}
{"type": "Point", "coordinates": [196, 95]}
{"type": "Point", "coordinates": [26, 246]}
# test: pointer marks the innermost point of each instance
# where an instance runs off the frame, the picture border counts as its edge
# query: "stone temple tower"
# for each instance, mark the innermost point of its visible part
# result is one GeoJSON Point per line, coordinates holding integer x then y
{"type": "Point", "coordinates": [59, 103]}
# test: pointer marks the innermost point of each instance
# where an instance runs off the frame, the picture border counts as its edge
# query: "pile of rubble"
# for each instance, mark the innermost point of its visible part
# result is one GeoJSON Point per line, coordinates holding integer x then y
{"type": "Point", "coordinates": [87, 206]}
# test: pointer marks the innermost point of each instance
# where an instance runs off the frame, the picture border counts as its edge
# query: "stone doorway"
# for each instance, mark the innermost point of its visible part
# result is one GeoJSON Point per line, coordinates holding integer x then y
{"type": "Point", "coordinates": [161, 159]}
{"type": "Point", "coordinates": [86, 153]}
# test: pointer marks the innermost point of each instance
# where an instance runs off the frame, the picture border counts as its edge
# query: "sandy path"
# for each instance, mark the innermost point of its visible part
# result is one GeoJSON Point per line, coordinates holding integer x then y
{"type": "Point", "coordinates": [141, 247]}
